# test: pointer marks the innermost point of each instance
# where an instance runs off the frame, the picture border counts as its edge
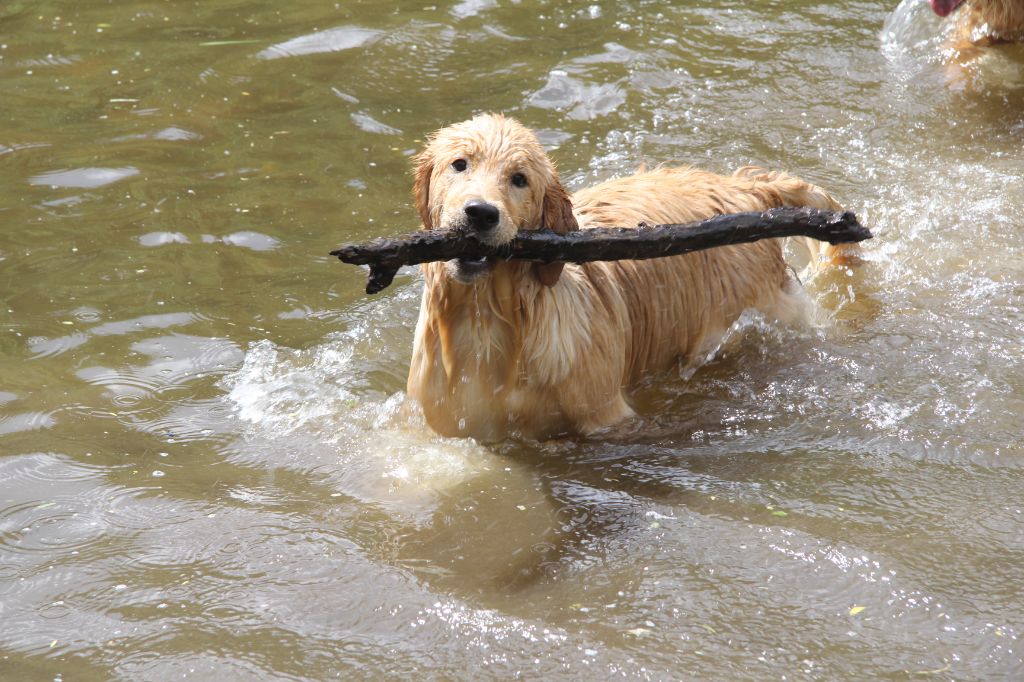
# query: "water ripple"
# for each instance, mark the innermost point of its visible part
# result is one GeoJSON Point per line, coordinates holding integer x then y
{"type": "Point", "coordinates": [155, 321]}
{"type": "Point", "coordinates": [205, 421]}
{"type": "Point", "coordinates": [580, 100]}
{"type": "Point", "coordinates": [51, 504]}
{"type": "Point", "coordinates": [257, 241]}
{"type": "Point", "coordinates": [83, 177]}
{"type": "Point", "coordinates": [26, 421]}
{"type": "Point", "coordinates": [44, 347]}
{"type": "Point", "coordinates": [176, 360]}
{"type": "Point", "coordinates": [151, 239]}
{"type": "Point", "coordinates": [367, 123]}
{"type": "Point", "coordinates": [471, 8]}
{"type": "Point", "coordinates": [331, 40]}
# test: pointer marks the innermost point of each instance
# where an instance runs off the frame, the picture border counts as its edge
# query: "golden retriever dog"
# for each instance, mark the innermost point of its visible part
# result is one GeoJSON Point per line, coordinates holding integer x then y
{"type": "Point", "coordinates": [982, 23]}
{"type": "Point", "coordinates": [517, 349]}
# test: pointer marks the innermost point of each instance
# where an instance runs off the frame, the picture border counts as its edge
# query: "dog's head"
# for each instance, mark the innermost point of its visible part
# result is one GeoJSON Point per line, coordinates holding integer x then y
{"type": "Point", "coordinates": [490, 175]}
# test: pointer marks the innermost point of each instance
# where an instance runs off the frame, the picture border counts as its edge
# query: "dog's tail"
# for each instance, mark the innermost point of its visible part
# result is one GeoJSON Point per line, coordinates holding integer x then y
{"type": "Point", "coordinates": [782, 189]}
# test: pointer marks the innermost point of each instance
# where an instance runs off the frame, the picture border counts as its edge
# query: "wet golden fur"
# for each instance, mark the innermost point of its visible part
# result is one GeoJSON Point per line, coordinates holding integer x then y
{"type": "Point", "coordinates": [537, 351]}
{"type": "Point", "coordinates": [983, 23]}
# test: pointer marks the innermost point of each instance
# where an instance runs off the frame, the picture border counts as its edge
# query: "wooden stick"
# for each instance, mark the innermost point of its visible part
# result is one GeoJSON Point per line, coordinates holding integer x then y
{"type": "Point", "coordinates": [385, 256]}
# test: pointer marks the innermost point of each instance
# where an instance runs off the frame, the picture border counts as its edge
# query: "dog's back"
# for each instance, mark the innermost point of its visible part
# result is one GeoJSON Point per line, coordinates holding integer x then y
{"type": "Point", "coordinates": [680, 307]}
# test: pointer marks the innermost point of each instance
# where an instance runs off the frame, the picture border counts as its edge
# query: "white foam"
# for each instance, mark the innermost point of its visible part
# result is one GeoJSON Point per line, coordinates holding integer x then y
{"type": "Point", "coordinates": [304, 409]}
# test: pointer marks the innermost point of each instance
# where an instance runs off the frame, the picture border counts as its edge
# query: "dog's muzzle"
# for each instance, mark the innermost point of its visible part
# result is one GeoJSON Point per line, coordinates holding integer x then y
{"type": "Point", "coordinates": [467, 270]}
{"type": "Point", "coordinates": [478, 217]}
{"type": "Point", "coordinates": [481, 217]}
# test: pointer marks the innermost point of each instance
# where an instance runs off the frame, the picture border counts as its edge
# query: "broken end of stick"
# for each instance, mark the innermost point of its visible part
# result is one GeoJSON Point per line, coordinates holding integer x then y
{"type": "Point", "coordinates": [849, 229]}
{"type": "Point", "coordinates": [380, 278]}
{"type": "Point", "coordinates": [352, 253]}
{"type": "Point", "coordinates": [381, 275]}
{"type": "Point", "coordinates": [834, 227]}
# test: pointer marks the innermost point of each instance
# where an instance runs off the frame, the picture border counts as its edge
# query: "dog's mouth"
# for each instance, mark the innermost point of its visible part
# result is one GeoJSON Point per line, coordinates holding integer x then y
{"type": "Point", "coordinates": [945, 7]}
{"type": "Point", "coordinates": [467, 270]}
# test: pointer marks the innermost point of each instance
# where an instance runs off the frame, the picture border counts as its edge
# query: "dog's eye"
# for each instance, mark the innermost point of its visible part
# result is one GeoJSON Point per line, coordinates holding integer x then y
{"type": "Point", "coordinates": [519, 180]}
{"type": "Point", "coordinates": [459, 165]}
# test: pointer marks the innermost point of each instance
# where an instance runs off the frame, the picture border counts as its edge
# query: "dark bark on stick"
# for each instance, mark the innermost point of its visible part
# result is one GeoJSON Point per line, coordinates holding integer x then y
{"type": "Point", "coordinates": [385, 256]}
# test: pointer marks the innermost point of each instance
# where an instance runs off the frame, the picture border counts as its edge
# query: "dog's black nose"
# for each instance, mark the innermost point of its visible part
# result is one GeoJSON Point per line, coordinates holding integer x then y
{"type": "Point", "coordinates": [482, 216]}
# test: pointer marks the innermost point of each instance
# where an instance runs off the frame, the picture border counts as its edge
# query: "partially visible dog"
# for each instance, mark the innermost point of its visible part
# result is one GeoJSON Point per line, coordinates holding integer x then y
{"type": "Point", "coordinates": [509, 348]}
{"type": "Point", "coordinates": [981, 23]}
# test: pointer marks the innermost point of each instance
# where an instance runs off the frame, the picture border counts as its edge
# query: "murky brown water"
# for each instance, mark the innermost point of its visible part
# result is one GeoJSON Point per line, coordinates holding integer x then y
{"type": "Point", "coordinates": [204, 472]}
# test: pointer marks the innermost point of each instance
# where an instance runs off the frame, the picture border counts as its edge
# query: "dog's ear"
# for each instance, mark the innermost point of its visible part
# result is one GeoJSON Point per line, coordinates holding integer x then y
{"type": "Point", "coordinates": [421, 186]}
{"type": "Point", "coordinates": [556, 215]}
